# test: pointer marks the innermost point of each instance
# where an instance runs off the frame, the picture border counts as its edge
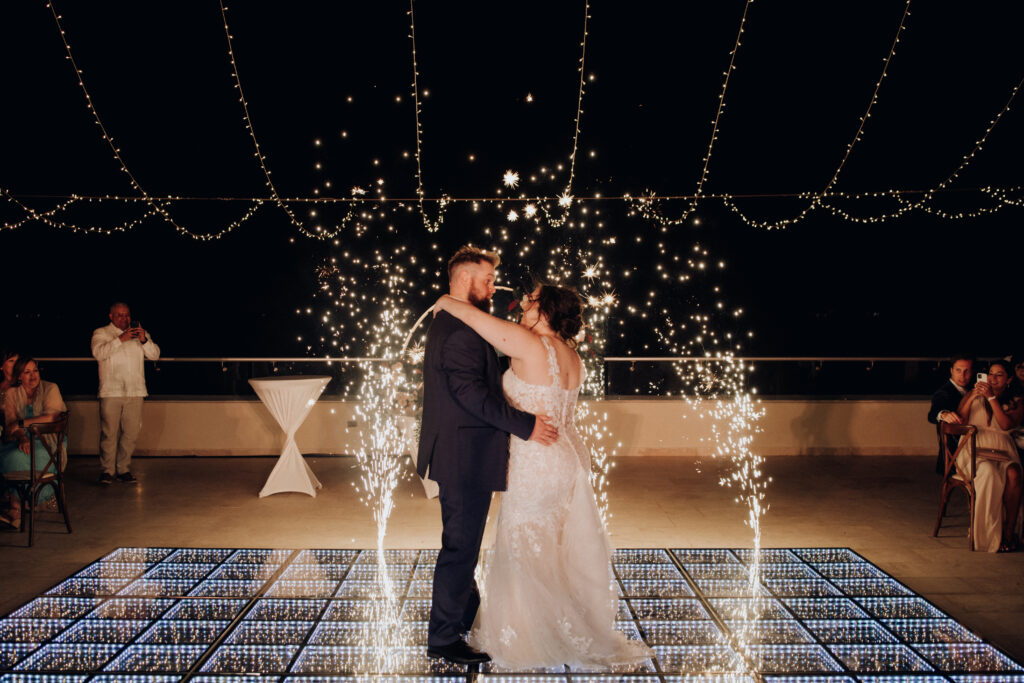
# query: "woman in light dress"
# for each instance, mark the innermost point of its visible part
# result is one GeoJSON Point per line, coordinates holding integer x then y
{"type": "Point", "coordinates": [10, 510]}
{"type": "Point", "coordinates": [31, 400]}
{"type": "Point", "coordinates": [548, 595]}
{"type": "Point", "coordinates": [997, 483]}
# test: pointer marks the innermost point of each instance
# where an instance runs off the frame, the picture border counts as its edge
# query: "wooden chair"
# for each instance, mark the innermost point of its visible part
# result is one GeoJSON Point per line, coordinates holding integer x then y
{"type": "Point", "coordinates": [30, 482]}
{"type": "Point", "coordinates": [952, 476]}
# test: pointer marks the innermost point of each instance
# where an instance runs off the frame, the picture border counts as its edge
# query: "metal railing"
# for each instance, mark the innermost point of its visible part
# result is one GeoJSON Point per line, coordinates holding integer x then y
{"type": "Point", "coordinates": [624, 376]}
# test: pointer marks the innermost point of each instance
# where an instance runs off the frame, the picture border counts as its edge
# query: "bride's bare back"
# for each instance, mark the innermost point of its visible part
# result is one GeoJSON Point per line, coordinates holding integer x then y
{"type": "Point", "coordinates": [531, 364]}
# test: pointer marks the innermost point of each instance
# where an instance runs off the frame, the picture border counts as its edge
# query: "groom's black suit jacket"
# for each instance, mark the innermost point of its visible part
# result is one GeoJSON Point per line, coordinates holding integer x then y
{"type": "Point", "coordinates": [945, 397]}
{"type": "Point", "coordinates": [466, 419]}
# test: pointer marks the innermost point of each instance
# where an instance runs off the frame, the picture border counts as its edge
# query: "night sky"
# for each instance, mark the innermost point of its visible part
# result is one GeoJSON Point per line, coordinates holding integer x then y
{"type": "Point", "coordinates": [161, 80]}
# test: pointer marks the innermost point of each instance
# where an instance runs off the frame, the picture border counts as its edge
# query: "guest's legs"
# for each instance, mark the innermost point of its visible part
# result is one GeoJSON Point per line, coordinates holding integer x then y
{"type": "Point", "coordinates": [110, 422]}
{"type": "Point", "coordinates": [989, 482]}
{"type": "Point", "coordinates": [464, 514]}
{"type": "Point", "coordinates": [11, 460]}
{"type": "Point", "coordinates": [12, 508]}
{"type": "Point", "coordinates": [131, 425]}
{"type": "Point", "coordinates": [1011, 501]}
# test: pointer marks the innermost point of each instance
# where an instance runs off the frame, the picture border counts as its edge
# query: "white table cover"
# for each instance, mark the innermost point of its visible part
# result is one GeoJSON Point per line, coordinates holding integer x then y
{"type": "Point", "coordinates": [289, 399]}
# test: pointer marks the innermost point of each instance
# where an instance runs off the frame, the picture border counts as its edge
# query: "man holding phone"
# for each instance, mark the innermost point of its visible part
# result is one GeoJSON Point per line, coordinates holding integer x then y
{"type": "Point", "coordinates": [120, 349]}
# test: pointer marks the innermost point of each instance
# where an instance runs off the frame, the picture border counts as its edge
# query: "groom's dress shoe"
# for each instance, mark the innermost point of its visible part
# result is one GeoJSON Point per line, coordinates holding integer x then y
{"type": "Point", "coordinates": [458, 652]}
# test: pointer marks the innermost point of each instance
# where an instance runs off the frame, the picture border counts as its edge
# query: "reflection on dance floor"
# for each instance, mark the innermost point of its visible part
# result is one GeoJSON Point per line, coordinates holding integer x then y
{"type": "Point", "coordinates": [165, 614]}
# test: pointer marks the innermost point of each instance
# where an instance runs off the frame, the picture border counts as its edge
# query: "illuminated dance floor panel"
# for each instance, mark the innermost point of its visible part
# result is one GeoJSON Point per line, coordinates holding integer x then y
{"type": "Point", "coordinates": [825, 615]}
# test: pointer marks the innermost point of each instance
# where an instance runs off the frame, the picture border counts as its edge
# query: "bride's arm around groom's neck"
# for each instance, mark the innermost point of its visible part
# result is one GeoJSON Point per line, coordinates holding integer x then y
{"type": "Point", "coordinates": [511, 339]}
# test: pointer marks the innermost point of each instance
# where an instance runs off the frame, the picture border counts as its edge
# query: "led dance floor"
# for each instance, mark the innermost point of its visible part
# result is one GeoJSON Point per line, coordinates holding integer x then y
{"type": "Point", "coordinates": [201, 614]}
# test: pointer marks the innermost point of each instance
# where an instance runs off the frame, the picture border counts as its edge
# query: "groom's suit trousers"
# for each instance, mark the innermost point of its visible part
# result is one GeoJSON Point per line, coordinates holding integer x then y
{"type": "Point", "coordinates": [456, 597]}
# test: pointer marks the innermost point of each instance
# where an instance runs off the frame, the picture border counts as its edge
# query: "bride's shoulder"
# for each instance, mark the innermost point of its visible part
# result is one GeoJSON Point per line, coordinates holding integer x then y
{"type": "Point", "coordinates": [562, 347]}
{"type": "Point", "coordinates": [536, 344]}
{"type": "Point", "coordinates": [564, 354]}
{"type": "Point", "coordinates": [531, 349]}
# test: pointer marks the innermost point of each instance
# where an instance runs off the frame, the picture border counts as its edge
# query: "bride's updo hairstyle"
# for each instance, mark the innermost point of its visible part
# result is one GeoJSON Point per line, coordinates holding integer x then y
{"type": "Point", "coordinates": [563, 308]}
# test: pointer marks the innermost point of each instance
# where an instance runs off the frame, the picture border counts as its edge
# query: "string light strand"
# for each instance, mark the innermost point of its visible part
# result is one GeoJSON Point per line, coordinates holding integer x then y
{"type": "Point", "coordinates": [649, 210]}
{"type": "Point", "coordinates": [929, 195]}
{"type": "Point", "coordinates": [318, 232]}
{"type": "Point", "coordinates": [646, 205]}
{"type": "Point", "coordinates": [31, 215]}
{"type": "Point", "coordinates": [46, 218]}
{"type": "Point", "coordinates": [532, 208]}
{"type": "Point", "coordinates": [435, 224]}
{"type": "Point", "coordinates": [718, 113]}
{"type": "Point", "coordinates": [874, 100]}
{"type": "Point", "coordinates": [156, 206]}
{"type": "Point", "coordinates": [579, 101]}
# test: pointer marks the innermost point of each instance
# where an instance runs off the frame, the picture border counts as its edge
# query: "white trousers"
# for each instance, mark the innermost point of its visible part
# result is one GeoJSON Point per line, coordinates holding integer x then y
{"type": "Point", "coordinates": [120, 424]}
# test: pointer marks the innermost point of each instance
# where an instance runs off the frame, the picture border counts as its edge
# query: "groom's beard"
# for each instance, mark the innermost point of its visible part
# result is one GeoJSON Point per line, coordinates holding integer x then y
{"type": "Point", "coordinates": [480, 301]}
{"type": "Point", "coordinates": [483, 304]}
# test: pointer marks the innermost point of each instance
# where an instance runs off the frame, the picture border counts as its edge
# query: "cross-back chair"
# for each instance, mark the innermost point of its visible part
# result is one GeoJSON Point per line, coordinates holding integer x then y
{"type": "Point", "coordinates": [29, 483]}
{"type": "Point", "coordinates": [953, 443]}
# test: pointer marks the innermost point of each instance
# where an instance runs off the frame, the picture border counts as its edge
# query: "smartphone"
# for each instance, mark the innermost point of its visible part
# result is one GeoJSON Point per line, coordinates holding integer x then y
{"type": "Point", "coordinates": [983, 377]}
{"type": "Point", "coordinates": [134, 323]}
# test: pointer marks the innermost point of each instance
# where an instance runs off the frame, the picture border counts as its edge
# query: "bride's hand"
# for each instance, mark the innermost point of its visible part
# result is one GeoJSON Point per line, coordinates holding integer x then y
{"type": "Point", "coordinates": [439, 305]}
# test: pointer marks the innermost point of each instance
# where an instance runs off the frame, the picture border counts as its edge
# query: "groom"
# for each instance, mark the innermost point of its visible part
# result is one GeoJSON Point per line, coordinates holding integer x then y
{"type": "Point", "coordinates": [464, 443]}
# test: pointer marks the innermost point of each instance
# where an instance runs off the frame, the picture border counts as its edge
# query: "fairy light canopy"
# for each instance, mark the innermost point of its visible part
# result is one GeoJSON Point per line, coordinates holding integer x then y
{"type": "Point", "coordinates": [583, 103]}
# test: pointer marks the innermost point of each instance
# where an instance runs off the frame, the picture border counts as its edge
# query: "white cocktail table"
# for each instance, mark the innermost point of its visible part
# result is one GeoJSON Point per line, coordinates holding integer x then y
{"type": "Point", "coordinates": [289, 399]}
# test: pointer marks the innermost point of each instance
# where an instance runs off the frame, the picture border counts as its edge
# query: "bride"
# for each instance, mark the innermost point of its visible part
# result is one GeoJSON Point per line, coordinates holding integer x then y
{"type": "Point", "coordinates": [548, 596]}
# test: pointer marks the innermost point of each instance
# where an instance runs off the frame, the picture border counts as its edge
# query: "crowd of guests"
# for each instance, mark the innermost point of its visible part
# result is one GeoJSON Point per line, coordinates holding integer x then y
{"type": "Point", "coordinates": [989, 396]}
{"type": "Point", "coordinates": [120, 349]}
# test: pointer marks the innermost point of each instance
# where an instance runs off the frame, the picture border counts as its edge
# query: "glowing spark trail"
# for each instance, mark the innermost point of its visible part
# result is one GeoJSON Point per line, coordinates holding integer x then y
{"type": "Point", "coordinates": [379, 457]}
{"type": "Point", "coordinates": [577, 254]}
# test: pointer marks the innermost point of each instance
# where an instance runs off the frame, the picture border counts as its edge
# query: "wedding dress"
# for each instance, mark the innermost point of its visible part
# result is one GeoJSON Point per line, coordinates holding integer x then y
{"type": "Point", "coordinates": [548, 595]}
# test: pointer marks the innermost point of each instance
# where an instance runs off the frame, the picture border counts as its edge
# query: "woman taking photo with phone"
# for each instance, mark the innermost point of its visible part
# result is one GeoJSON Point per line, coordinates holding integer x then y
{"type": "Point", "coordinates": [997, 482]}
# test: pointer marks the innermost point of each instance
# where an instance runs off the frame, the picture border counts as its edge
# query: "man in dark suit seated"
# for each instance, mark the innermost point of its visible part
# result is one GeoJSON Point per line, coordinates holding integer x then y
{"type": "Point", "coordinates": [946, 399]}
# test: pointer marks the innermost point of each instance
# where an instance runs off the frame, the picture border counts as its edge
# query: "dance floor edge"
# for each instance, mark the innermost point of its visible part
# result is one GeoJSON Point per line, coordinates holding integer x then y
{"type": "Point", "coordinates": [824, 615]}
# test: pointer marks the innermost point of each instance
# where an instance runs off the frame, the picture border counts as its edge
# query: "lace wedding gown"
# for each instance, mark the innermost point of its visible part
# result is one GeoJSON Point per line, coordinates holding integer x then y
{"type": "Point", "coordinates": [548, 596]}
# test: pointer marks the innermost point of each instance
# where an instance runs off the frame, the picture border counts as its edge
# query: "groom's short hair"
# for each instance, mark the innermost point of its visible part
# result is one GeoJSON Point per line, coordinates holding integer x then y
{"type": "Point", "coordinates": [469, 254]}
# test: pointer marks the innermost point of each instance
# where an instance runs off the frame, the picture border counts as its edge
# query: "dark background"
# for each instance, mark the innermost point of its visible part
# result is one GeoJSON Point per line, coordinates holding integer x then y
{"type": "Point", "coordinates": [160, 78]}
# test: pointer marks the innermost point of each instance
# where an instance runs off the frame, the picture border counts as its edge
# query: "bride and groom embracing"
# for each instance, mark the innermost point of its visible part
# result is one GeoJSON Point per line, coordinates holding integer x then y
{"type": "Point", "coordinates": [547, 594]}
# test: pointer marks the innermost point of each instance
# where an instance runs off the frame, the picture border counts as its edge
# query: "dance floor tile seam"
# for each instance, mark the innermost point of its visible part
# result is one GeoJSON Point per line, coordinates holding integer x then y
{"type": "Point", "coordinates": [250, 614]}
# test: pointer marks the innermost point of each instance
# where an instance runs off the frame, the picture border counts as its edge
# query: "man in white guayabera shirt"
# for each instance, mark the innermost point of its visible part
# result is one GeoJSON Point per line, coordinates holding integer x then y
{"type": "Point", "coordinates": [120, 349]}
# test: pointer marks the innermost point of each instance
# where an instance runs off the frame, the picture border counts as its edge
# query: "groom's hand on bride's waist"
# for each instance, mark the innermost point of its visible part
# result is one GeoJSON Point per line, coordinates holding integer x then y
{"type": "Point", "coordinates": [544, 432]}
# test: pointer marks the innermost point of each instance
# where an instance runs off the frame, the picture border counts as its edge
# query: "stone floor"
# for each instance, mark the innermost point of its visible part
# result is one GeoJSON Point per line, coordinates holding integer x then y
{"type": "Point", "coordinates": [881, 507]}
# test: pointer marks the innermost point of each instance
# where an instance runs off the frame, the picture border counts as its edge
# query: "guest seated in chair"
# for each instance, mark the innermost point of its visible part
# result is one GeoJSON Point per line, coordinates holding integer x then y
{"type": "Point", "coordinates": [29, 401]}
{"type": "Point", "coordinates": [946, 399]}
{"type": "Point", "coordinates": [997, 482]}
{"type": "Point", "coordinates": [7, 360]}
{"type": "Point", "coordinates": [1016, 388]}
